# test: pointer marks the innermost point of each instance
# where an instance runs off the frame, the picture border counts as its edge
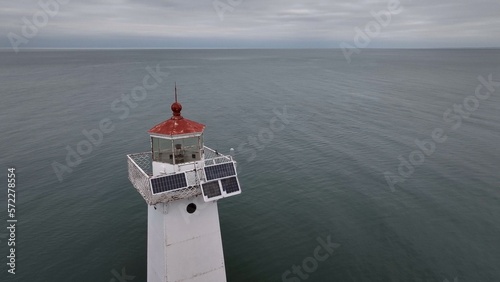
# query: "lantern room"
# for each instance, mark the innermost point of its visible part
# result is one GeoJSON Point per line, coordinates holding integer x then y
{"type": "Point", "coordinates": [179, 166]}
{"type": "Point", "coordinates": [177, 150]}
{"type": "Point", "coordinates": [177, 140]}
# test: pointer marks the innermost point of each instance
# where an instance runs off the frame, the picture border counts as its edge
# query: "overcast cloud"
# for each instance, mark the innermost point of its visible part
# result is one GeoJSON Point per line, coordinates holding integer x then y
{"type": "Point", "coordinates": [254, 23]}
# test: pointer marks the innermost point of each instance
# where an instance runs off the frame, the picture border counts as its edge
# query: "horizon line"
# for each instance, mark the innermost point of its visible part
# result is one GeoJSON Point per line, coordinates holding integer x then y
{"type": "Point", "coordinates": [240, 48]}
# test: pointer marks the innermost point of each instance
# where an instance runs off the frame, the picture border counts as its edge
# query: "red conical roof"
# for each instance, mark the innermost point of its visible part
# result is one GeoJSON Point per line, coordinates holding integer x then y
{"type": "Point", "coordinates": [177, 124]}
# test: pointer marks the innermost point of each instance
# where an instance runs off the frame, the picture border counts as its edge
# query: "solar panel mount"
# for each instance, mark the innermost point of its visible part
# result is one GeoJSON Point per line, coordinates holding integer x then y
{"type": "Point", "coordinates": [211, 190]}
{"type": "Point", "coordinates": [219, 171]}
{"type": "Point", "coordinates": [230, 185]}
{"type": "Point", "coordinates": [168, 183]}
{"type": "Point", "coordinates": [220, 188]}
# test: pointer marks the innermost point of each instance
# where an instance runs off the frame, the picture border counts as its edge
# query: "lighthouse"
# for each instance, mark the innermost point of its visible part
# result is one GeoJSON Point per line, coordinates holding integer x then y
{"type": "Point", "coordinates": [181, 181]}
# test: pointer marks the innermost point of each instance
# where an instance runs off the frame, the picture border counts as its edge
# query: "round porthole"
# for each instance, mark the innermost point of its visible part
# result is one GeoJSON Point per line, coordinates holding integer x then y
{"type": "Point", "coordinates": [191, 208]}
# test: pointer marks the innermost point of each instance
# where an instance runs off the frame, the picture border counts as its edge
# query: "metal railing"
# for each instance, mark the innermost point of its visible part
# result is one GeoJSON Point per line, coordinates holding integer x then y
{"type": "Point", "coordinates": [137, 163]}
{"type": "Point", "coordinates": [140, 172]}
{"type": "Point", "coordinates": [213, 157]}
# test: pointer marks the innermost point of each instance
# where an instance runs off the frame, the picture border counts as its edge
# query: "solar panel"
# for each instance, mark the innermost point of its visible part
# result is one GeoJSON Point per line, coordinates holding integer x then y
{"type": "Point", "coordinates": [230, 185]}
{"type": "Point", "coordinates": [211, 189]}
{"type": "Point", "coordinates": [168, 183]}
{"type": "Point", "coordinates": [219, 171]}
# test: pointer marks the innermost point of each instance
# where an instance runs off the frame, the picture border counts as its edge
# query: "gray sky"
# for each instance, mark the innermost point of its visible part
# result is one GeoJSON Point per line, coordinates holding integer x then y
{"type": "Point", "coordinates": [252, 23]}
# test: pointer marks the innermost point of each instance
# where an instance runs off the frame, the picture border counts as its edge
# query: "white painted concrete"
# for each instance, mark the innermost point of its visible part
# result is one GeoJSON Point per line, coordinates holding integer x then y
{"type": "Point", "coordinates": [184, 246]}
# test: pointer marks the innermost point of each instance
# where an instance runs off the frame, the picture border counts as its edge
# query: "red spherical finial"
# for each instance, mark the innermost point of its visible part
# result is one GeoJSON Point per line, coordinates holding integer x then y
{"type": "Point", "coordinates": [176, 109]}
{"type": "Point", "coordinates": [176, 106]}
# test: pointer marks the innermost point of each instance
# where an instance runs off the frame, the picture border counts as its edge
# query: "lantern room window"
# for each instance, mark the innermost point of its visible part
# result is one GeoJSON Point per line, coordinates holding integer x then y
{"type": "Point", "coordinates": [177, 151]}
{"type": "Point", "coordinates": [162, 150]}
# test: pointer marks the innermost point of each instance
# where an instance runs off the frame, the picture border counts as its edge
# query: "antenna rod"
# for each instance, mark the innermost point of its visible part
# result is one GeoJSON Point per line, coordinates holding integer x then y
{"type": "Point", "coordinates": [175, 92]}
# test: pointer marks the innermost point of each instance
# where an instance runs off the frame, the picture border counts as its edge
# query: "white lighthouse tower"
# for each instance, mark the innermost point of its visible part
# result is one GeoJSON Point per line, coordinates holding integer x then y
{"type": "Point", "coordinates": [181, 180]}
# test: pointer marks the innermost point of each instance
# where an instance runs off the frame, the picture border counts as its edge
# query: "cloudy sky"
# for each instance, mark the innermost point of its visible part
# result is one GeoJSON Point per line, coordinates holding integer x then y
{"type": "Point", "coordinates": [250, 23]}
